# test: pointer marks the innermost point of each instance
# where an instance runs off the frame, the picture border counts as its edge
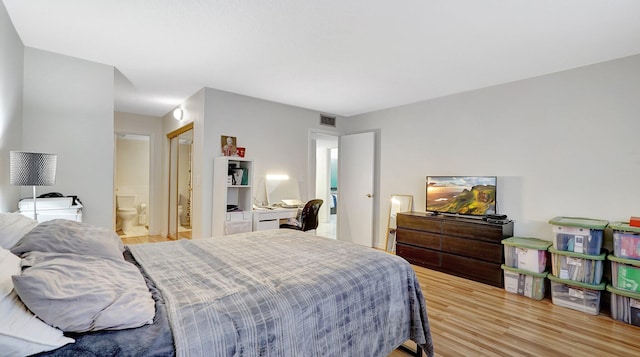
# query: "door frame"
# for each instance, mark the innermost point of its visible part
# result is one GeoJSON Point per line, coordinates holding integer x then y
{"type": "Point", "coordinates": [152, 205]}
{"type": "Point", "coordinates": [311, 174]}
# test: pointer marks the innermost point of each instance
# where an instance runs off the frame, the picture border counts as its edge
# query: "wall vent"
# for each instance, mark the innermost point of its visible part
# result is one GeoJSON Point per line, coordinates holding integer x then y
{"type": "Point", "coordinates": [327, 120]}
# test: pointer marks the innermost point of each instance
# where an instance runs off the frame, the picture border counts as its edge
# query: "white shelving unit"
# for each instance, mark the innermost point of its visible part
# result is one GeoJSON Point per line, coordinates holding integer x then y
{"type": "Point", "coordinates": [228, 193]}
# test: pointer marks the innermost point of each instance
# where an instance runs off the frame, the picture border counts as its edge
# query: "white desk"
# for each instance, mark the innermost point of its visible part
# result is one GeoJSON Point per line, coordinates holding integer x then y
{"type": "Point", "coordinates": [264, 219]}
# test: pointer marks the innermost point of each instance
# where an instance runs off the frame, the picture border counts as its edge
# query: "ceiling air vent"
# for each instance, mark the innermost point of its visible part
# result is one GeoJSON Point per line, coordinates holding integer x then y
{"type": "Point", "coordinates": [327, 120]}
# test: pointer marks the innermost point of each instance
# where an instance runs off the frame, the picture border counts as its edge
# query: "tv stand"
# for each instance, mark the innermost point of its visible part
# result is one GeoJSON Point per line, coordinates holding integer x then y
{"type": "Point", "coordinates": [462, 246]}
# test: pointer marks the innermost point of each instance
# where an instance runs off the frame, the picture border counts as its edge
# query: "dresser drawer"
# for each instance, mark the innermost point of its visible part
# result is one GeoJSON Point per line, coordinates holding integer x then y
{"type": "Point", "coordinates": [479, 230]}
{"type": "Point", "coordinates": [419, 238]}
{"type": "Point", "coordinates": [418, 256]}
{"type": "Point", "coordinates": [420, 223]}
{"type": "Point", "coordinates": [484, 272]}
{"type": "Point", "coordinates": [473, 248]}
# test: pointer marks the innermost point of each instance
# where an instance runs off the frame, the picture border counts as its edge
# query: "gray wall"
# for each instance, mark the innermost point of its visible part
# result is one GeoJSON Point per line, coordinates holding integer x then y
{"type": "Point", "coordinates": [11, 64]}
{"type": "Point", "coordinates": [68, 110]}
{"type": "Point", "coordinates": [563, 144]}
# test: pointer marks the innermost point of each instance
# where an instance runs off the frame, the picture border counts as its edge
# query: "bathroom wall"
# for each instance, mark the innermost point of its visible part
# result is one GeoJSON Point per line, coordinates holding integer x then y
{"type": "Point", "coordinates": [132, 167]}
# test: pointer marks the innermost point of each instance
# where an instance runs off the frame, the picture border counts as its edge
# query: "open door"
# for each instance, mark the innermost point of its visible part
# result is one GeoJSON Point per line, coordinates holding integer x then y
{"type": "Point", "coordinates": [355, 180]}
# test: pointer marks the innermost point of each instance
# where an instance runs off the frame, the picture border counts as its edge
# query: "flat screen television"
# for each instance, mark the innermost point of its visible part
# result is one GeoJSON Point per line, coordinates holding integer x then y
{"type": "Point", "coordinates": [462, 195]}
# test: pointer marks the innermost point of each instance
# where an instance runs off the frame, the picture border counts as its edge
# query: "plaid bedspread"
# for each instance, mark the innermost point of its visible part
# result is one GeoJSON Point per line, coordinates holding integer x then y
{"type": "Point", "coordinates": [285, 293]}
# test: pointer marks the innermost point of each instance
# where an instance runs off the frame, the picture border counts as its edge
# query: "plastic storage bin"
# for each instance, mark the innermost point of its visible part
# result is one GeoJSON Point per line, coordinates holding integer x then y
{"type": "Point", "coordinates": [625, 273]}
{"type": "Point", "coordinates": [577, 267]}
{"type": "Point", "coordinates": [575, 295]}
{"type": "Point", "coordinates": [528, 254]}
{"type": "Point", "coordinates": [523, 282]}
{"type": "Point", "coordinates": [580, 235]}
{"type": "Point", "coordinates": [625, 306]}
{"type": "Point", "coordinates": [626, 240]}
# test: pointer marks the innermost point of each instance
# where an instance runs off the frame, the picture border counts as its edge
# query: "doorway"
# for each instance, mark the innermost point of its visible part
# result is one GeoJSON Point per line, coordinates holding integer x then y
{"type": "Point", "coordinates": [132, 184]}
{"type": "Point", "coordinates": [326, 179]}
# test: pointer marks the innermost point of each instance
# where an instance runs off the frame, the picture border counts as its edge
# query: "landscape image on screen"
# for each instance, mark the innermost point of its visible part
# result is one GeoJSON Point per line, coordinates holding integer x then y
{"type": "Point", "coordinates": [467, 195]}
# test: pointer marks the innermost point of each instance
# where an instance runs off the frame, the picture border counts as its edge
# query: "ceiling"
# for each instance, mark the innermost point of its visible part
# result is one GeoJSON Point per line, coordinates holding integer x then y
{"type": "Point", "coordinates": [334, 56]}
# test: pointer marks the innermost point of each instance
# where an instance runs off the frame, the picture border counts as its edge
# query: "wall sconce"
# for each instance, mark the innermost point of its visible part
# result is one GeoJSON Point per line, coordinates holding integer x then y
{"type": "Point", "coordinates": [178, 113]}
{"type": "Point", "coordinates": [32, 169]}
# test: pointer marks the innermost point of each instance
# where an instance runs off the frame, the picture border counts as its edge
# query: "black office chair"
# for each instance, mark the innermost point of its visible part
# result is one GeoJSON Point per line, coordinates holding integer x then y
{"type": "Point", "coordinates": [308, 219]}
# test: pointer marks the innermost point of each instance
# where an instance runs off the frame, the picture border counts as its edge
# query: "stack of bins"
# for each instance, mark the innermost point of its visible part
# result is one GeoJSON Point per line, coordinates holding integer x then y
{"type": "Point", "coordinates": [525, 264]}
{"type": "Point", "coordinates": [625, 273]}
{"type": "Point", "coordinates": [577, 263]}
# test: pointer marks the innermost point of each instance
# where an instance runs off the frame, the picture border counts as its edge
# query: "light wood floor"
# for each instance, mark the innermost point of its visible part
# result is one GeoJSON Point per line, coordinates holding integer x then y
{"type": "Point", "coordinates": [473, 319]}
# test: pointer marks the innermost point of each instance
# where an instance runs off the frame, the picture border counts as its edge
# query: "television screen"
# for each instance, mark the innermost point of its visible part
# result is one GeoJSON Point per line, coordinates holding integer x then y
{"type": "Point", "coordinates": [465, 195]}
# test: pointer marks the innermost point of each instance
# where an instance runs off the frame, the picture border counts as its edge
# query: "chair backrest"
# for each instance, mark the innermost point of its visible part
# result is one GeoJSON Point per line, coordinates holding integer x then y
{"type": "Point", "coordinates": [309, 215]}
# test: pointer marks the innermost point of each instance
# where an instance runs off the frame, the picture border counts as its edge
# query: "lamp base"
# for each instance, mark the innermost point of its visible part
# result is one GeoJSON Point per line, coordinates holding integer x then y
{"type": "Point", "coordinates": [35, 215]}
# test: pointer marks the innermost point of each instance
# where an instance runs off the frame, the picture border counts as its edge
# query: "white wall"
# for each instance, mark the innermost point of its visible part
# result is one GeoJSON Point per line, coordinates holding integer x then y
{"type": "Point", "coordinates": [68, 110]}
{"type": "Point", "coordinates": [152, 126]}
{"type": "Point", "coordinates": [275, 135]}
{"type": "Point", "coordinates": [563, 144]}
{"type": "Point", "coordinates": [11, 67]}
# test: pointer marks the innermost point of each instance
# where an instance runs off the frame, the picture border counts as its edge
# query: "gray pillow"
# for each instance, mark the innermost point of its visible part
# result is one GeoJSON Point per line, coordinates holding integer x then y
{"type": "Point", "coordinates": [82, 293]}
{"type": "Point", "coordinates": [13, 226]}
{"type": "Point", "coordinates": [66, 236]}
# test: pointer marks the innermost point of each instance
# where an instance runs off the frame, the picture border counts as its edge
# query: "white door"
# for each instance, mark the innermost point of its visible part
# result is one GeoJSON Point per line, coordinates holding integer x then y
{"type": "Point", "coordinates": [355, 188]}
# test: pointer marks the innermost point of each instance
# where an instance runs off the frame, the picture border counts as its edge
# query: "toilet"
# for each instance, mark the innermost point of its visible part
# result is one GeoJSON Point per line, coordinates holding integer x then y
{"type": "Point", "coordinates": [180, 211]}
{"type": "Point", "coordinates": [126, 211]}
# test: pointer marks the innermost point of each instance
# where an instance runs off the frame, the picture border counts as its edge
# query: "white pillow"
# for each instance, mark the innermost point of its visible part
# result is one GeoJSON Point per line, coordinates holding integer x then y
{"type": "Point", "coordinates": [22, 333]}
{"type": "Point", "coordinates": [9, 265]}
{"type": "Point", "coordinates": [14, 226]}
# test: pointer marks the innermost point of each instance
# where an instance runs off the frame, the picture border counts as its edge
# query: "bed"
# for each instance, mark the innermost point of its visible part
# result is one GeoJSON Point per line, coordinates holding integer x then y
{"type": "Point", "coordinates": [268, 293]}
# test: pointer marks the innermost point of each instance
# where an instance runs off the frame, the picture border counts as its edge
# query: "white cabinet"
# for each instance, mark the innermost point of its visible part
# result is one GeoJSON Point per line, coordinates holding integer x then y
{"type": "Point", "coordinates": [264, 219]}
{"type": "Point", "coordinates": [232, 195]}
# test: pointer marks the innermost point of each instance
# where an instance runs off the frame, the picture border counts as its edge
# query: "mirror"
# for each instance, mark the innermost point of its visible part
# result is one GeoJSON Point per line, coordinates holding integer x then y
{"type": "Point", "coordinates": [398, 203]}
{"type": "Point", "coordinates": [180, 182]}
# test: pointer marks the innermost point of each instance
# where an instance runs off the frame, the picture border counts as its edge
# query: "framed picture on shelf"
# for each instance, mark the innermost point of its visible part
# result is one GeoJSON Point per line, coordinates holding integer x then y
{"type": "Point", "coordinates": [228, 145]}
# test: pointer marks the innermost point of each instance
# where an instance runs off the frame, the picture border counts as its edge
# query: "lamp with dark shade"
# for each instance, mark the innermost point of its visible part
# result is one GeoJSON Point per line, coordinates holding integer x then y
{"type": "Point", "coordinates": [32, 169]}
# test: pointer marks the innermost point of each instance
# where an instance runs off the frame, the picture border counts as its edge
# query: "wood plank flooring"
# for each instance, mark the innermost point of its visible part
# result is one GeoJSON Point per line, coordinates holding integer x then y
{"type": "Point", "coordinates": [473, 319]}
{"type": "Point", "coordinates": [468, 318]}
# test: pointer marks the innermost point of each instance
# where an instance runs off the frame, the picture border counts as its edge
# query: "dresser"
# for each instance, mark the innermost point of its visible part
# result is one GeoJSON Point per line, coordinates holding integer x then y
{"type": "Point", "coordinates": [465, 247]}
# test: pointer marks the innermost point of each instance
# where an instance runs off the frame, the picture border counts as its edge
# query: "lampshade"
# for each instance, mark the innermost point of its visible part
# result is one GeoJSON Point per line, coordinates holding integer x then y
{"type": "Point", "coordinates": [32, 169]}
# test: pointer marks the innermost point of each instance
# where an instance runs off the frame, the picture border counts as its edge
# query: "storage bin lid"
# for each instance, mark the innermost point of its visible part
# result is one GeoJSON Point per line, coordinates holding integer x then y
{"type": "Point", "coordinates": [579, 222]}
{"type": "Point", "coordinates": [624, 226]}
{"type": "Point", "coordinates": [529, 243]}
{"type": "Point", "coordinates": [624, 260]}
{"type": "Point", "coordinates": [600, 286]}
{"type": "Point", "coordinates": [526, 272]}
{"type": "Point", "coordinates": [579, 255]}
{"type": "Point", "coordinates": [626, 293]}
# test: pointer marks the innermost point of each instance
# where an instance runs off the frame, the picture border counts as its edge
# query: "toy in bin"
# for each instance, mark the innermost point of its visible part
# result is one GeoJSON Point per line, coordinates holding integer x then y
{"type": "Point", "coordinates": [626, 240]}
{"type": "Point", "coordinates": [523, 282]}
{"type": "Point", "coordinates": [625, 306]}
{"type": "Point", "coordinates": [580, 235]}
{"type": "Point", "coordinates": [625, 273]}
{"type": "Point", "coordinates": [576, 295]}
{"type": "Point", "coordinates": [528, 254]}
{"type": "Point", "coordinates": [584, 268]}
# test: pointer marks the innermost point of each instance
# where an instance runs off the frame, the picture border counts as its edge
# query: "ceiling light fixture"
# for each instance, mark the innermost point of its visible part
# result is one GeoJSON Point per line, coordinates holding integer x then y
{"type": "Point", "coordinates": [178, 113]}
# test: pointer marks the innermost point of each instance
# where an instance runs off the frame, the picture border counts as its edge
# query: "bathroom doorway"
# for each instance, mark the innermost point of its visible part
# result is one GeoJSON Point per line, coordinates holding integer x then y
{"type": "Point", "coordinates": [132, 185]}
{"type": "Point", "coordinates": [326, 171]}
